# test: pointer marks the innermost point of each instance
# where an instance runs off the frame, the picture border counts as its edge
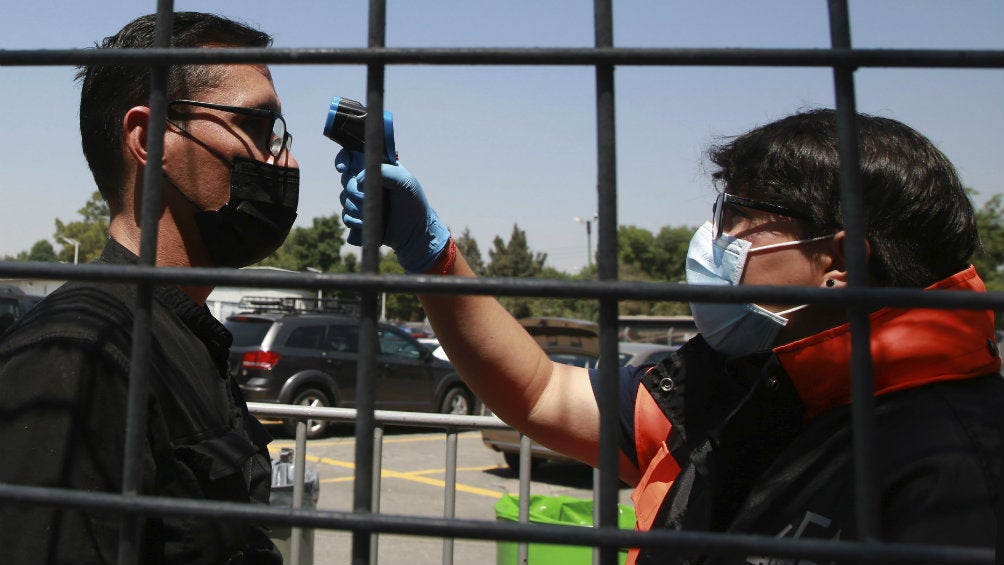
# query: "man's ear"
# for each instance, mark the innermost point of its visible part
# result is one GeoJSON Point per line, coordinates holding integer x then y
{"type": "Point", "coordinates": [134, 127]}
{"type": "Point", "coordinates": [836, 269]}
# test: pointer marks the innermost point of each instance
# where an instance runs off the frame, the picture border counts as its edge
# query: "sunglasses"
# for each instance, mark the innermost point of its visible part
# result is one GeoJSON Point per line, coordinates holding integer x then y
{"type": "Point", "coordinates": [279, 139]}
{"type": "Point", "coordinates": [724, 200]}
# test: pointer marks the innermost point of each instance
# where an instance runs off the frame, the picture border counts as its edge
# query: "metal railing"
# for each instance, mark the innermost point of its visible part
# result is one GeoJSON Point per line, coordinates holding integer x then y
{"type": "Point", "coordinates": [451, 425]}
{"type": "Point", "coordinates": [363, 522]}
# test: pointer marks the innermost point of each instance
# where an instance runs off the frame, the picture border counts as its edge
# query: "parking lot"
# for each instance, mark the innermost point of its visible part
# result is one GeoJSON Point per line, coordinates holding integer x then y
{"type": "Point", "coordinates": [413, 484]}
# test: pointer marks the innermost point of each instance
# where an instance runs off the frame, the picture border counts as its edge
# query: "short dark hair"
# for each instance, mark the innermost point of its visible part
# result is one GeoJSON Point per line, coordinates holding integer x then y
{"type": "Point", "coordinates": [109, 91]}
{"type": "Point", "coordinates": [919, 220]}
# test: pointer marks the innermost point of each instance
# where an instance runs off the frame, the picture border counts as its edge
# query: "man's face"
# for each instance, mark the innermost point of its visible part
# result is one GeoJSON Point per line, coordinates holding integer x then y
{"type": "Point", "coordinates": [198, 158]}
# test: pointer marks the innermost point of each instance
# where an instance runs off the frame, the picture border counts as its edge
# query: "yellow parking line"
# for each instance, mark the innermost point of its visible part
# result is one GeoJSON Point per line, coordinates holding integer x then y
{"type": "Point", "coordinates": [277, 444]}
{"type": "Point", "coordinates": [415, 476]}
{"type": "Point", "coordinates": [333, 462]}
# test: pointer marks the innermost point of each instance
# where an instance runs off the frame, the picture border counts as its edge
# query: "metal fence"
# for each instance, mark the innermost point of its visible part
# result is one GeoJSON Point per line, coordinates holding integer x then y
{"type": "Point", "coordinates": [608, 291]}
{"type": "Point", "coordinates": [450, 424]}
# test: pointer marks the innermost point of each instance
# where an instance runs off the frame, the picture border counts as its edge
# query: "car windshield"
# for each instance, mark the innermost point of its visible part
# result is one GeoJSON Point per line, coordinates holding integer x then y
{"type": "Point", "coordinates": [248, 331]}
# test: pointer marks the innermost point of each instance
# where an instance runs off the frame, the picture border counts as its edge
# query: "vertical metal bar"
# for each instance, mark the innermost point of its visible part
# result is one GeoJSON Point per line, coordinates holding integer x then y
{"type": "Point", "coordinates": [377, 481]}
{"type": "Point", "coordinates": [139, 361]}
{"type": "Point", "coordinates": [362, 546]}
{"type": "Point", "coordinates": [852, 199]}
{"type": "Point", "coordinates": [596, 511]}
{"type": "Point", "coordinates": [299, 475]}
{"type": "Point", "coordinates": [608, 307]}
{"type": "Point", "coordinates": [450, 499]}
{"type": "Point", "coordinates": [525, 469]}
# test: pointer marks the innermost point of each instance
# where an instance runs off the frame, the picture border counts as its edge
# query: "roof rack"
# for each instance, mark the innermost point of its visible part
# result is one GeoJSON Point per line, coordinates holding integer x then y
{"type": "Point", "coordinates": [298, 304]}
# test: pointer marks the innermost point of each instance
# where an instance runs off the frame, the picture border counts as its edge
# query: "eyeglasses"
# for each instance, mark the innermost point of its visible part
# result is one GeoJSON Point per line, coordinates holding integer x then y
{"type": "Point", "coordinates": [278, 140]}
{"type": "Point", "coordinates": [724, 200]}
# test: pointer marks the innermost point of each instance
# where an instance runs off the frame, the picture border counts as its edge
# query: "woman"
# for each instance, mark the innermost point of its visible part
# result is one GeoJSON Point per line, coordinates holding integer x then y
{"type": "Point", "coordinates": [747, 427]}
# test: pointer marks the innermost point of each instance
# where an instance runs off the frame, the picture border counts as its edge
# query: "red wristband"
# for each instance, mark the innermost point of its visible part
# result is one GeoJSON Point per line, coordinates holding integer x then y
{"type": "Point", "coordinates": [451, 256]}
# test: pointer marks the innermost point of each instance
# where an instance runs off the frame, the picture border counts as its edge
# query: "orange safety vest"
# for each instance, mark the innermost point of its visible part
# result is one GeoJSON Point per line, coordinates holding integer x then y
{"type": "Point", "coordinates": [909, 348]}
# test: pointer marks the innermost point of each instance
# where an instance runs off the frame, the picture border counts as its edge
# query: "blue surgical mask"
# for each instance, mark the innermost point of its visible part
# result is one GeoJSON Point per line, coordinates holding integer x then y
{"type": "Point", "coordinates": [731, 328]}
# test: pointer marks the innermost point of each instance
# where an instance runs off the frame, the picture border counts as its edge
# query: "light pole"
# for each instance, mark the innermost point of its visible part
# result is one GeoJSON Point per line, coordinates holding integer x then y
{"type": "Point", "coordinates": [589, 236]}
{"type": "Point", "coordinates": [76, 247]}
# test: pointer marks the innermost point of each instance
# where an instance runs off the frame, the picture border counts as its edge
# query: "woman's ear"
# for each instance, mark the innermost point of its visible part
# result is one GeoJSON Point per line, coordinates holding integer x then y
{"type": "Point", "coordinates": [134, 128]}
{"type": "Point", "coordinates": [836, 264]}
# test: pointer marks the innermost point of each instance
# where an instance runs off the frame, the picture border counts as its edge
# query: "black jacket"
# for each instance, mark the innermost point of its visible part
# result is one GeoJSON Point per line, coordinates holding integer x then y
{"type": "Point", "coordinates": [63, 373]}
{"type": "Point", "coordinates": [763, 444]}
{"type": "Point", "coordinates": [755, 467]}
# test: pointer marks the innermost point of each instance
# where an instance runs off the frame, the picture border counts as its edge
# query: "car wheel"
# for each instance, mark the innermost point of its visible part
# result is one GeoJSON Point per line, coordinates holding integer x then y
{"type": "Point", "coordinates": [458, 400]}
{"type": "Point", "coordinates": [512, 460]}
{"type": "Point", "coordinates": [314, 398]}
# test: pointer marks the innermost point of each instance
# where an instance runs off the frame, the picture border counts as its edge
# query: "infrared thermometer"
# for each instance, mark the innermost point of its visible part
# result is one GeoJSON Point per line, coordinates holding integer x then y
{"type": "Point", "coordinates": [346, 126]}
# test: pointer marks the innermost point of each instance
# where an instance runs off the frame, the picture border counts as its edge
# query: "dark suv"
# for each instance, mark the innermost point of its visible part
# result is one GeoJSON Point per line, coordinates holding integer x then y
{"type": "Point", "coordinates": [14, 303]}
{"type": "Point", "coordinates": [310, 359]}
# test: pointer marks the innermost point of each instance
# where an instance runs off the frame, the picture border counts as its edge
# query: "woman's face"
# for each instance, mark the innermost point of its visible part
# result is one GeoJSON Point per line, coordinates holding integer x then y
{"type": "Point", "coordinates": [806, 264]}
{"type": "Point", "coordinates": [810, 263]}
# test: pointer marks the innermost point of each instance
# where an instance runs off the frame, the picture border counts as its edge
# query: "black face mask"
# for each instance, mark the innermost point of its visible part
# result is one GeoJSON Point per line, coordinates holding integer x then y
{"type": "Point", "coordinates": [258, 216]}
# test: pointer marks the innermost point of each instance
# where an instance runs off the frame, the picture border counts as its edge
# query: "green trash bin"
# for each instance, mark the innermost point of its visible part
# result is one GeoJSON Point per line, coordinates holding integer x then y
{"type": "Point", "coordinates": [562, 510]}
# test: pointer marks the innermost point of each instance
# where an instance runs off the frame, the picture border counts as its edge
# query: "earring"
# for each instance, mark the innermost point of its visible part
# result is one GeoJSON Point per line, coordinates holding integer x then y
{"type": "Point", "coordinates": [830, 283]}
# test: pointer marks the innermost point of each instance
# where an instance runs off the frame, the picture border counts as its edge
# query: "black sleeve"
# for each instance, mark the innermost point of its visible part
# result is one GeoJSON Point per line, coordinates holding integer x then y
{"type": "Point", "coordinates": [62, 421]}
{"type": "Point", "coordinates": [628, 379]}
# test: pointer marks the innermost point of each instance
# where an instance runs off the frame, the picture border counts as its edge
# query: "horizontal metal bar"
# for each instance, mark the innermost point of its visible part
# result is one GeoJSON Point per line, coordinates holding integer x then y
{"type": "Point", "coordinates": [699, 542]}
{"type": "Point", "coordinates": [550, 56]}
{"type": "Point", "coordinates": [415, 419]}
{"type": "Point", "coordinates": [555, 288]}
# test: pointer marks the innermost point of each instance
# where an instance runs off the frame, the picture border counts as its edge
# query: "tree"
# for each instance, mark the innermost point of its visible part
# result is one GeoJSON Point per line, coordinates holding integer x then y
{"type": "Point", "coordinates": [635, 247]}
{"type": "Point", "coordinates": [647, 257]}
{"type": "Point", "coordinates": [989, 259]}
{"type": "Point", "coordinates": [469, 249]}
{"type": "Point", "coordinates": [403, 307]}
{"type": "Point", "coordinates": [515, 259]}
{"type": "Point", "coordinates": [670, 256]}
{"type": "Point", "coordinates": [317, 247]}
{"type": "Point", "coordinates": [91, 232]}
{"type": "Point", "coordinates": [580, 308]}
{"type": "Point", "coordinates": [660, 257]}
{"type": "Point", "coordinates": [41, 251]}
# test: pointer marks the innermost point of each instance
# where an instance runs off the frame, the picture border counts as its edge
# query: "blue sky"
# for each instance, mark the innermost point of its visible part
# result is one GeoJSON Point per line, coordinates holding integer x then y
{"type": "Point", "coordinates": [497, 146]}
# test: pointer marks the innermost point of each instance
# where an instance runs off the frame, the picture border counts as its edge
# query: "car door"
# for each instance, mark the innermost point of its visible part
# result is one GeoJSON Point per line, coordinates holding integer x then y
{"type": "Point", "coordinates": [341, 353]}
{"type": "Point", "coordinates": [405, 381]}
{"type": "Point", "coordinates": [301, 349]}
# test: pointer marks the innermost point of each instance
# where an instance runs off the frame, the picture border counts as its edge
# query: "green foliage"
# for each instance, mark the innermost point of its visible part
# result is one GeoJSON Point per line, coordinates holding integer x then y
{"type": "Point", "coordinates": [41, 251]}
{"type": "Point", "coordinates": [317, 247]}
{"type": "Point", "coordinates": [469, 249]}
{"type": "Point", "coordinates": [647, 257]}
{"type": "Point", "coordinates": [91, 232]}
{"type": "Point", "coordinates": [515, 259]}
{"type": "Point", "coordinates": [660, 257]}
{"type": "Point", "coordinates": [989, 259]}
{"type": "Point", "coordinates": [397, 306]}
{"type": "Point", "coordinates": [643, 256]}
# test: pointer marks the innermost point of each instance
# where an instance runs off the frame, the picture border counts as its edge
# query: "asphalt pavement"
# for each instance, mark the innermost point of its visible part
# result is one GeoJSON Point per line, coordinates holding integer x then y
{"type": "Point", "coordinates": [412, 484]}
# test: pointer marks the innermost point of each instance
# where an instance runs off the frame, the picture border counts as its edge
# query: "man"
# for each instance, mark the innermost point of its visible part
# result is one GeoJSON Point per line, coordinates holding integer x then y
{"type": "Point", "coordinates": [230, 189]}
{"type": "Point", "coordinates": [746, 428]}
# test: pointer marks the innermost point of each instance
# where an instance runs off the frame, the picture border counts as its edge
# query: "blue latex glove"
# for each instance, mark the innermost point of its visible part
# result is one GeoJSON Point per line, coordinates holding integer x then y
{"type": "Point", "coordinates": [413, 229]}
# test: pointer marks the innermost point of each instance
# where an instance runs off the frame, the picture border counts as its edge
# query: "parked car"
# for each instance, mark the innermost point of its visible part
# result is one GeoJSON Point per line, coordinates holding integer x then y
{"type": "Point", "coordinates": [667, 330]}
{"type": "Point", "coordinates": [573, 342]}
{"type": "Point", "coordinates": [635, 354]}
{"type": "Point", "coordinates": [310, 359]}
{"type": "Point", "coordinates": [14, 303]}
